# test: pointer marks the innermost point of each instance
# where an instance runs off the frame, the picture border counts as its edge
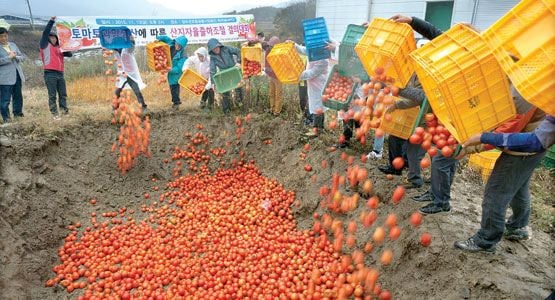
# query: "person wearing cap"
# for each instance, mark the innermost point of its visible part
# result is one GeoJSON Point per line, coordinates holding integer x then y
{"type": "Point", "coordinates": [276, 88]}
{"type": "Point", "coordinates": [53, 65]}
{"type": "Point", "coordinates": [11, 77]}
{"type": "Point", "coordinates": [223, 58]}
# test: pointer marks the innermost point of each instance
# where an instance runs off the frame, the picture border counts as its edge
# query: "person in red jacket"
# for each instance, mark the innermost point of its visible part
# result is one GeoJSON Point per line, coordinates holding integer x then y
{"type": "Point", "coordinates": [53, 65]}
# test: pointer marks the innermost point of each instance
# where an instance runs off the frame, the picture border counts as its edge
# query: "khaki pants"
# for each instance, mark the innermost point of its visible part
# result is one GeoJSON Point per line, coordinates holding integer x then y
{"type": "Point", "coordinates": [276, 96]}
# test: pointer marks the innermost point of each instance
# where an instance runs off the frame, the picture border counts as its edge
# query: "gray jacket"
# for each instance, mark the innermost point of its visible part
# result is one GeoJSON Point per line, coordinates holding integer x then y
{"type": "Point", "coordinates": [10, 66]}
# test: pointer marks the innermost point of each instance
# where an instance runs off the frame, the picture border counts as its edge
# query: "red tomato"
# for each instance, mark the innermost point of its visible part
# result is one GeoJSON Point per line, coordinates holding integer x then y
{"type": "Point", "coordinates": [446, 151]}
{"type": "Point", "coordinates": [425, 163]}
{"type": "Point", "coordinates": [416, 219]}
{"type": "Point", "coordinates": [425, 239]}
{"type": "Point", "coordinates": [415, 139]}
{"type": "Point", "coordinates": [398, 163]}
{"type": "Point", "coordinates": [398, 194]}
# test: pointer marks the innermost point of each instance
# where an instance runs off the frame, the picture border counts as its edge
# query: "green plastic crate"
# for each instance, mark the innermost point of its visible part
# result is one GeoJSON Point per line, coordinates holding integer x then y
{"type": "Point", "coordinates": [335, 104]}
{"type": "Point", "coordinates": [549, 160]}
{"type": "Point", "coordinates": [349, 63]}
{"type": "Point", "coordinates": [551, 152]}
{"type": "Point", "coordinates": [548, 163]}
{"type": "Point", "coordinates": [228, 79]}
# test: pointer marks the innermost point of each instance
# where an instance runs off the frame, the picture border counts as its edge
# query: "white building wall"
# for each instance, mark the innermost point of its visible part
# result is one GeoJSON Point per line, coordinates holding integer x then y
{"type": "Point", "coordinates": [490, 11]}
{"type": "Point", "coordinates": [339, 14]}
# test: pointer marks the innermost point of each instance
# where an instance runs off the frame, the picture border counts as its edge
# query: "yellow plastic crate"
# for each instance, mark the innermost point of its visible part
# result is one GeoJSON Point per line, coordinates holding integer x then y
{"type": "Point", "coordinates": [466, 87]}
{"type": "Point", "coordinates": [528, 32]}
{"type": "Point", "coordinates": [484, 162]}
{"type": "Point", "coordinates": [286, 63]}
{"type": "Point", "coordinates": [189, 78]}
{"type": "Point", "coordinates": [387, 44]}
{"type": "Point", "coordinates": [252, 53]}
{"type": "Point", "coordinates": [150, 55]}
{"type": "Point", "coordinates": [402, 122]}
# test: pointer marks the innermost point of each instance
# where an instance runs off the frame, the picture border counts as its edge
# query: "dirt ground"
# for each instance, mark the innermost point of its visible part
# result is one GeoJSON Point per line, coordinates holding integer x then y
{"type": "Point", "coordinates": [47, 179]}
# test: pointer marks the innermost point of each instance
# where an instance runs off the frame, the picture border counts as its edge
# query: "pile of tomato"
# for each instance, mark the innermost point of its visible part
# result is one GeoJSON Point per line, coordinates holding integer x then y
{"type": "Point", "coordinates": [197, 87]}
{"type": "Point", "coordinates": [251, 68]}
{"type": "Point", "coordinates": [339, 88]}
{"type": "Point", "coordinates": [134, 133]}
{"type": "Point", "coordinates": [160, 59]}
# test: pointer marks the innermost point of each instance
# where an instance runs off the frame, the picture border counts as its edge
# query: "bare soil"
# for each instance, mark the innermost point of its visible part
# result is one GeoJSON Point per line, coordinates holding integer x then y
{"type": "Point", "coordinates": [47, 179]}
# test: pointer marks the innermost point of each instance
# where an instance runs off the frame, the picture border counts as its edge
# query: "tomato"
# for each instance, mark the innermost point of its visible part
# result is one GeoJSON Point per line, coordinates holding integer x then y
{"type": "Point", "coordinates": [416, 219]}
{"type": "Point", "coordinates": [398, 163]}
{"type": "Point", "coordinates": [425, 239]}
{"type": "Point", "coordinates": [415, 139]}
{"type": "Point", "coordinates": [391, 220]}
{"type": "Point", "coordinates": [394, 233]}
{"type": "Point", "coordinates": [387, 257]}
{"type": "Point", "coordinates": [446, 151]}
{"type": "Point", "coordinates": [373, 202]}
{"type": "Point", "coordinates": [379, 235]}
{"type": "Point", "coordinates": [398, 194]}
{"type": "Point", "coordinates": [385, 295]}
{"type": "Point", "coordinates": [425, 163]}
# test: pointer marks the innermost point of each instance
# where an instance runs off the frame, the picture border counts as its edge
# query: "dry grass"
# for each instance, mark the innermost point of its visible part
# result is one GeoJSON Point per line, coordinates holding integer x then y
{"type": "Point", "coordinates": [90, 98]}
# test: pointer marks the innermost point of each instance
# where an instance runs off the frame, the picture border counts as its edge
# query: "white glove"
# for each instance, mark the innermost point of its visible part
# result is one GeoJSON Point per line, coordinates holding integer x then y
{"type": "Point", "coordinates": [208, 86]}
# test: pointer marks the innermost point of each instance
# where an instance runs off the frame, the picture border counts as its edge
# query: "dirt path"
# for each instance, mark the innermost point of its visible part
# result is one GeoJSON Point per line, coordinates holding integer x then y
{"type": "Point", "coordinates": [46, 182]}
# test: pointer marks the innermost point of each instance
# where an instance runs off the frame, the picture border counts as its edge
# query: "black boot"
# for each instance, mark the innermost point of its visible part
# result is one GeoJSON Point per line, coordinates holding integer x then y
{"type": "Point", "coordinates": [319, 121]}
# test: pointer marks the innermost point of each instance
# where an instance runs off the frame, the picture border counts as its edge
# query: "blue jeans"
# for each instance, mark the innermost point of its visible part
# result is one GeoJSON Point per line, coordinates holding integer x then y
{"type": "Point", "coordinates": [415, 153]}
{"type": "Point", "coordinates": [507, 185]}
{"type": "Point", "coordinates": [443, 174]}
{"type": "Point", "coordinates": [11, 93]}
{"type": "Point", "coordinates": [397, 148]}
{"type": "Point", "coordinates": [378, 144]}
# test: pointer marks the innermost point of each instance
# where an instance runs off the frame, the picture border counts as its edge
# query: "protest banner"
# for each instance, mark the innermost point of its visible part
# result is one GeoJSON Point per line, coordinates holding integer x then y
{"type": "Point", "coordinates": [79, 33]}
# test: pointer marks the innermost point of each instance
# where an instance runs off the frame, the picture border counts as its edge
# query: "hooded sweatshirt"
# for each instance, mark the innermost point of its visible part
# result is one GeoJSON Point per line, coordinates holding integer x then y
{"type": "Point", "coordinates": [224, 60]}
{"type": "Point", "coordinates": [194, 63]}
{"type": "Point", "coordinates": [51, 54]}
{"type": "Point", "coordinates": [178, 57]}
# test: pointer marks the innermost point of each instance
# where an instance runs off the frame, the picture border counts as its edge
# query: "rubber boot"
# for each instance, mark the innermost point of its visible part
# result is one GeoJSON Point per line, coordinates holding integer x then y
{"type": "Point", "coordinates": [318, 125]}
{"type": "Point", "coordinates": [226, 105]}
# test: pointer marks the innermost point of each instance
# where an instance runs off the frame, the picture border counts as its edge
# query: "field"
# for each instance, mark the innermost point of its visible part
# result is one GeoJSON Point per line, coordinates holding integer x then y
{"type": "Point", "coordinates": [49, 172]}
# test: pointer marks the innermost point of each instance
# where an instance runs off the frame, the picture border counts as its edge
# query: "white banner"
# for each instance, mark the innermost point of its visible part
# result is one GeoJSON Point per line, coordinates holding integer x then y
{"type": "Point", "coordinates": [77, 33]}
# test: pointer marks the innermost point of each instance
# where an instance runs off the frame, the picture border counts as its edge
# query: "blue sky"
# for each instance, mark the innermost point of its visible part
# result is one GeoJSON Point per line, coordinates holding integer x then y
{"type": "Point", "coordinates": [160, 8]}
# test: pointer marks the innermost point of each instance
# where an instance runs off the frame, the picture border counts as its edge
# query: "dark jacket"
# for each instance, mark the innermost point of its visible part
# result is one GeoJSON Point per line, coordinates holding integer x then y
{"type": "Point", "coordinates": [224, 60]}
{"type": "Point", "coordinates": [414, 95]}
{"type": "Point", "coordinates": [425, 28]}
{"type": "Point", "coordinates": [48, 32]}
{"type": "Point", "coordinates": [178, 57]}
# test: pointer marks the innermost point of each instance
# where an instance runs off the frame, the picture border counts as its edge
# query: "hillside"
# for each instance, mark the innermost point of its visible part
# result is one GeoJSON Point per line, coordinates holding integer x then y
{"type": "Point", "coordinates": [264, 17]}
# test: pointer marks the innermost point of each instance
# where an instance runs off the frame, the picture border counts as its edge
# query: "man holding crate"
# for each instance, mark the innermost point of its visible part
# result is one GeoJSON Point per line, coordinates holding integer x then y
{"type": "Point", "coordinates": [222, 57]}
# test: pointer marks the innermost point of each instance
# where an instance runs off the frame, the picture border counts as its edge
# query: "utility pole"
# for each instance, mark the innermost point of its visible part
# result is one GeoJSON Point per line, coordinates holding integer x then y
{"type": "Point", "coordinates": [30, 15]}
